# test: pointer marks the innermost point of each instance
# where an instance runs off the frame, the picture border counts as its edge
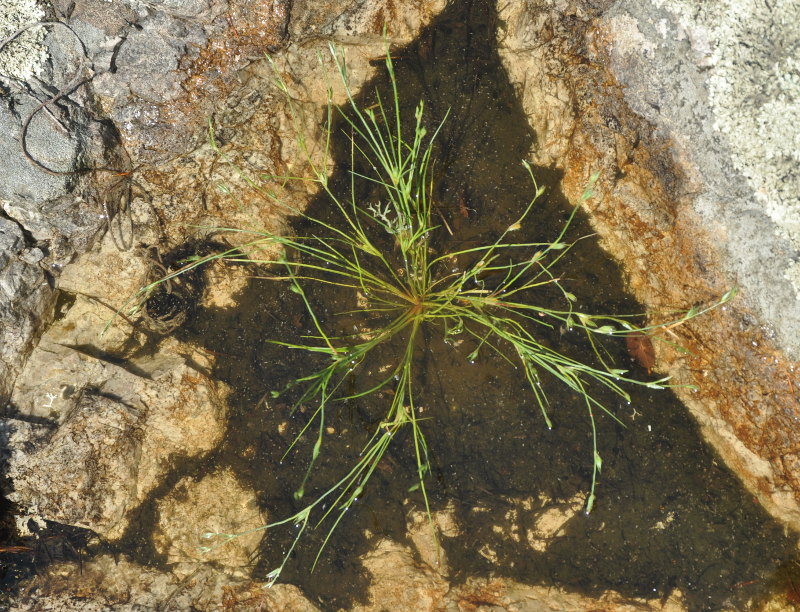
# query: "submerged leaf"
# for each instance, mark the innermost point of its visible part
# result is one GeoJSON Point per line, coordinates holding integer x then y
{"type": "Point", "coordinates": [641, 349]}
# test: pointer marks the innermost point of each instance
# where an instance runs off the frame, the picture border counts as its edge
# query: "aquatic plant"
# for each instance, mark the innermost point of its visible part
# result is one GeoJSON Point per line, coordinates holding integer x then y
{"type": "Point", "coordinates": [385, 253]}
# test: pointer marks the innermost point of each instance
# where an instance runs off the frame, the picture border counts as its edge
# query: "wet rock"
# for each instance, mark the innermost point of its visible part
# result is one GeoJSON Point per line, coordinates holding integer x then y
{"type": "Point", "coordinates": [216, 504]}
{"type": "Point", "coordinates": [425, 533]}
{"type": "Point", "coordinates": [162, 116]}
{"type": "Point", "coordinates": [512, 596]}
{"type": "Point", "coordinates": [400, 583]}
{"type": "Point", "coordinates": [116, 433]}
{"type": "Point", "coordinates": [109, 583]}
{"type": "Point", "coordinates": [539, 522]}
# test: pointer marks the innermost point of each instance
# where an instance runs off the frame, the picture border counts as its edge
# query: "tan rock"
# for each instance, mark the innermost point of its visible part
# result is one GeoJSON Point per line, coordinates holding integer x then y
{"type": "Point", "coordinates": [106, 583]}
{"type": "Point", "coordinates": [84, 473]}
{"type": "Point", "coordinates": [217, 504]}
{"type": "Point", "coordinates": [115, 433]}
{"type": "Point", "coordinates": [399, 582]}
{"type": "Point", "coordinates": [663, 206]}
{"type": "Point", "coordinates": [424, 532]}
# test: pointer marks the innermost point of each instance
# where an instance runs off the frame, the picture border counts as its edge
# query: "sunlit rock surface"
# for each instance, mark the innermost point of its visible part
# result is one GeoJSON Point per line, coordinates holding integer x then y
{"type": "Point", "coordinates": [662, 100]}
{"type": "Point", "coordinates": [107, 436]}
{"type": "Point", "coordinates": [108, 583]}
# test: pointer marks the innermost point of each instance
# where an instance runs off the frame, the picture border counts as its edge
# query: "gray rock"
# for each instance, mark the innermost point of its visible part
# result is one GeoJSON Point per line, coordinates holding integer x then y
{"type": "Point", "coordinates": [181, 8]}
{"type": "Point", "coordinates": [46, 194]}
{"type": "Point", "coordinates": [149, 61]}
{"type": "Point", "coordinates": [24, 57]}
{"type": "Point", "coordinates": [52, 144]}
{"type": "Point", "coordinates": [25, 300]}
{"type": "Point", "coordinates": [721, 82]}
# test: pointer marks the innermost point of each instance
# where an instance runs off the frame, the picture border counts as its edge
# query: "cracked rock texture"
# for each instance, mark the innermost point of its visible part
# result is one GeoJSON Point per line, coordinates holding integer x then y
{"type": "Point", "coordinates": [50, 207]}
{"type": "Point", "coordinates": [24, 296]}
{"type": "Point", "coordinates": [719, 83]}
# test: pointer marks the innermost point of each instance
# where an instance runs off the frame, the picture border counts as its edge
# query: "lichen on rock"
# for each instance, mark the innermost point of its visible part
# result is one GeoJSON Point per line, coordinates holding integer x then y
{"type": "Point", "coordinates": [24, 56]}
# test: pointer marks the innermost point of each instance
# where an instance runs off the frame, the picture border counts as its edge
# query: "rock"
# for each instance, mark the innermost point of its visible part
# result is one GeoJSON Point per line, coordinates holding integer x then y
{"type": "Point", "coordinates": [24, 57]}
{"type": "Point", "coordinates": [538, 521]}
{"type": "Point", "coordinates": [420, 531]}
{"type": "Point", "coordinates": [216, 504]}
{"type": "Point", "coordinates": [26, 299]}
{"type": "Point", "coordinates": [688, 211]}
{"type": "Point", "coordinates": [400, 583]}
{"type": "Point", "coordinates": [359, 24]}
{"type": "Point", "coordinates": [125, 427]}
{"type": "Point", "coordinates": [144, 53]}
{"type": "Point", "coordinates": [45, 196]}
{"type": "Point", "coordinates": [100, 288]}
{"type": "Point", "coordinates": [501, 594]}
{"type": "Point", "coordinates": [108, 583]}
{"type": "Point", "coordinates": [687, 73]}
{"type": "Point", "coordinates": [181, 61]}
{"type": "Point", "coordinates": [178, 66]}
{"type": "Point", "coordinates": [85, 473]}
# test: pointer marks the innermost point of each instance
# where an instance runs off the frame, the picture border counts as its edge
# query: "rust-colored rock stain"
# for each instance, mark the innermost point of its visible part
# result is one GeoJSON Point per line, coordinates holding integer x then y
{"type": "Point", "coordinates": [738, 385]}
